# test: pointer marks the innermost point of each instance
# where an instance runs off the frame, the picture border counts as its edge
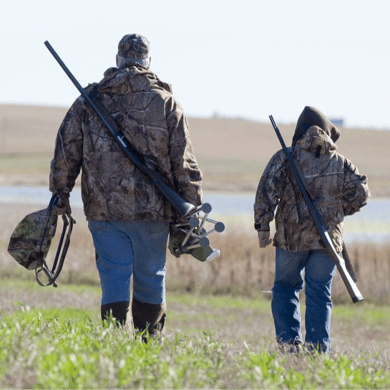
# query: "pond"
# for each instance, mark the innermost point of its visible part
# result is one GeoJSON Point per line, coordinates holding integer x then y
{"type": "Point", "coordinates": [371, 223]}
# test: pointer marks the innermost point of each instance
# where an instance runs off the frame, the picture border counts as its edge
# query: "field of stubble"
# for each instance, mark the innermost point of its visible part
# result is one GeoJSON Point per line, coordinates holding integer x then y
{"type": "Point", "coordinates": [232, 153]}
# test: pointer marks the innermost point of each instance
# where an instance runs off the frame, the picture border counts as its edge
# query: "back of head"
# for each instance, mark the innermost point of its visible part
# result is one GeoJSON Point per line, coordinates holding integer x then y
{"type": "Point", "coordinates": [310, 116]}
{"type": "Point", "coordinates": [133, 49]}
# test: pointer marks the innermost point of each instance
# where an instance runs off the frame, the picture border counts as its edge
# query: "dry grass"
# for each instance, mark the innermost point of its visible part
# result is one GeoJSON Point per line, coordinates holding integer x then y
{"type": "Point", "coordinates": [243, 267]}
{"type": "Point", "coordinates": [241, 325]}
{"type": "Point", "coordinates": [231, 152]}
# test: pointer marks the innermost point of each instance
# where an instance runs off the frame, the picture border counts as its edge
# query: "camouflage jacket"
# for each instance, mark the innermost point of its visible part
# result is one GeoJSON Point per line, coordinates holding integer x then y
{"type": "Point", "coordinates": [154, 123]}
{"type": "Point", "coordinates": [333, 181]}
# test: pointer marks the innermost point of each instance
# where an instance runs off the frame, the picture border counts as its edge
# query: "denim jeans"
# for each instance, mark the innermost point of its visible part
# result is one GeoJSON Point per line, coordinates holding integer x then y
{"type": "Point", "coordinates": [133, 248]}
{"type": "Point", "coordinates": [319, 272]}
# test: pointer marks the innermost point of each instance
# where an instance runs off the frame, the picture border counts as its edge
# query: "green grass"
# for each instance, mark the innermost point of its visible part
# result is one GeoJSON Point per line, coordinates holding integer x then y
{"type": "Point", "coordinates": [66, 314]}
{"type": "Point", "coordinates": [220, 301]}
{"type": "Point", "coordinates": [59, 354]}
{"type": "Point", "coordinates": [211, 342]}
{"type": "Point", "coordinates": [54, 352]}
{"type": "Point", "coordinates": [364, 313]}
{"type": "Point", "coordinates": [340, 372]}
{"type": "Point", "coordinates": [32, 285]}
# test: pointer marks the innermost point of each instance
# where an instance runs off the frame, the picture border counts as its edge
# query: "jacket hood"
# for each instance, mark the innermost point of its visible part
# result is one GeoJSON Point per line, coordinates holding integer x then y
{"type": "Point", "coordinates": [310, 116]}
{"type": "Point", "coordinates": [135, 78]}
{"type": "Point", "coordinates": [317, 141]}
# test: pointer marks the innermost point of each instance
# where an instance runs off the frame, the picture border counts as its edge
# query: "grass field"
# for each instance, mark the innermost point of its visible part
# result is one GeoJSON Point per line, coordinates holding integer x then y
{"type": "Point", "coordinates": [219, 330]}
{"type": "Point", "coordinates": [56, 339]}
{"type": "Point", "coordinates": [242, 269]}
{"type": "Point", "coordinates": [232, 153]}
{"type": "Point", "coordinates": [219, 327]}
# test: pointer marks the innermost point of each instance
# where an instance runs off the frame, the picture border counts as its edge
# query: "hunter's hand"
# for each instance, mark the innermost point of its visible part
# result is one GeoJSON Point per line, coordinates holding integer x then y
{"type": "Point", "coordinates": [264, 238]}
{"type": "Point", "coordinates": [64, 204]}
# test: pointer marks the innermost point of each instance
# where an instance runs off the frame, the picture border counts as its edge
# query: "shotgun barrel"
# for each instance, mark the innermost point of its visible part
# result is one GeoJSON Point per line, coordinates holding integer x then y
{"type": "Point", "coordinates": [183, 207]}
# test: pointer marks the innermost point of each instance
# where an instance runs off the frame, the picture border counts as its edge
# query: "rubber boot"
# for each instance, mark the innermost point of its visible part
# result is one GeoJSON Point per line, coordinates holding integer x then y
{"type": "Point", "coordinates": [294, 347]}
{"type": "Point", "coordinates": [120, 312]}
{"type": "Point", "coordinates": [148, 318]}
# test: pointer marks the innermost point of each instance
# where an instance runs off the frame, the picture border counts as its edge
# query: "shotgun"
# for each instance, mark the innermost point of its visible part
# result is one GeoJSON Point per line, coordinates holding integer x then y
{"type": "Point", "coordinates": [188, 237]}
{"type": "Point", "coordinates": [316, 216]}
{"type": "Point", "coordinates": [179, 204]}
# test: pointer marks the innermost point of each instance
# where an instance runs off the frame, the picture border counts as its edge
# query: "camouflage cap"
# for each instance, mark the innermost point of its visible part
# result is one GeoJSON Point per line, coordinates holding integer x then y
{"type": "Point", "coordinates": [133, 46]}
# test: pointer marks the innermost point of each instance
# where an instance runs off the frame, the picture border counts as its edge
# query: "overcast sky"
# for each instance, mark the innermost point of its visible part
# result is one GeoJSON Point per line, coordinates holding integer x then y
{"type": "Point", "coordinates": [239, 58]}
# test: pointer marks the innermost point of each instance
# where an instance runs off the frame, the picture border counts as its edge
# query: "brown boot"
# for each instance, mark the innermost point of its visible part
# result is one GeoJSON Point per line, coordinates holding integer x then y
{"type": "Point", "coordinates": [148, 317]}
{"type": "Point", "coordinates": [120, 312]}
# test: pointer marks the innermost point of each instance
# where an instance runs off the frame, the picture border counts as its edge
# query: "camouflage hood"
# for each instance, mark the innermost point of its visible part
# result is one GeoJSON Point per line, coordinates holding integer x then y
{"type": "Point", "coordinates": [31, 239]}
{"type": "Point", "coordinates": [309, 117]}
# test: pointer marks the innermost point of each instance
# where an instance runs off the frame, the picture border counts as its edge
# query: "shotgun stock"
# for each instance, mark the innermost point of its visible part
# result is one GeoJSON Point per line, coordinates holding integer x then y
{"type": "Point", "coordinates": [325, 238]}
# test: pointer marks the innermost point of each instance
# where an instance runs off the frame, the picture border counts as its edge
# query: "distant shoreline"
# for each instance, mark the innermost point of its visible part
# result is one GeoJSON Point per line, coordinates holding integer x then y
{"type": "Point", "coordinates": [240, 189]}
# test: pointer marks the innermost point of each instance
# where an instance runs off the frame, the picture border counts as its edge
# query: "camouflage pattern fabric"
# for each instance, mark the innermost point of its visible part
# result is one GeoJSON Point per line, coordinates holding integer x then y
{"type": "Point", "coordinates": [311, 116]}
{"type": "Point", "coordinates": [133, 46]}
{"type": "Point", "coordinates": [334, 182]}
{"type": "Point", "coordinates": [31, 240]}
{"type": "Point", "coordinates": [154, 123]}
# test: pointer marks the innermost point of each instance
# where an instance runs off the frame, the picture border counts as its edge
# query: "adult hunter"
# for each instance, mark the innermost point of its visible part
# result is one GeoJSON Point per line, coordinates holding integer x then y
{"type": "Point", "coordinates": [127, 216]}
{"type": "Point", "coordinates": [337, 190]}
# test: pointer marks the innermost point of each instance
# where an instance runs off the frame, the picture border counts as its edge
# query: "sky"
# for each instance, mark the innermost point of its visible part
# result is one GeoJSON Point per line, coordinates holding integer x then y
{"type": "Point", "coordinates": [246, 58]}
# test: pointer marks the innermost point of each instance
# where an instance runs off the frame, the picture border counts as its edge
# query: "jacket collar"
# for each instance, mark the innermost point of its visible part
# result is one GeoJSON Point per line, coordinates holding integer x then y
{"type": "Point", "coordinates": [316, 140]}
{"type": "Point", "coordinates": [135, 78]}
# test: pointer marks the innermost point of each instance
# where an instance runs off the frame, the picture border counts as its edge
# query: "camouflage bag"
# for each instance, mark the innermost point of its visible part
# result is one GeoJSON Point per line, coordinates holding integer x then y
{"type": "Point", "coordinates": [30, 242]}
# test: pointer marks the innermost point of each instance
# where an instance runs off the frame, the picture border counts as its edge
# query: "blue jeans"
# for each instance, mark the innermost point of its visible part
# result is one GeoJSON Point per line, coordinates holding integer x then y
{"type": "Point", "coordinates": [319, 273]}
{"type": "Point", "coordinates": [133, 248]}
